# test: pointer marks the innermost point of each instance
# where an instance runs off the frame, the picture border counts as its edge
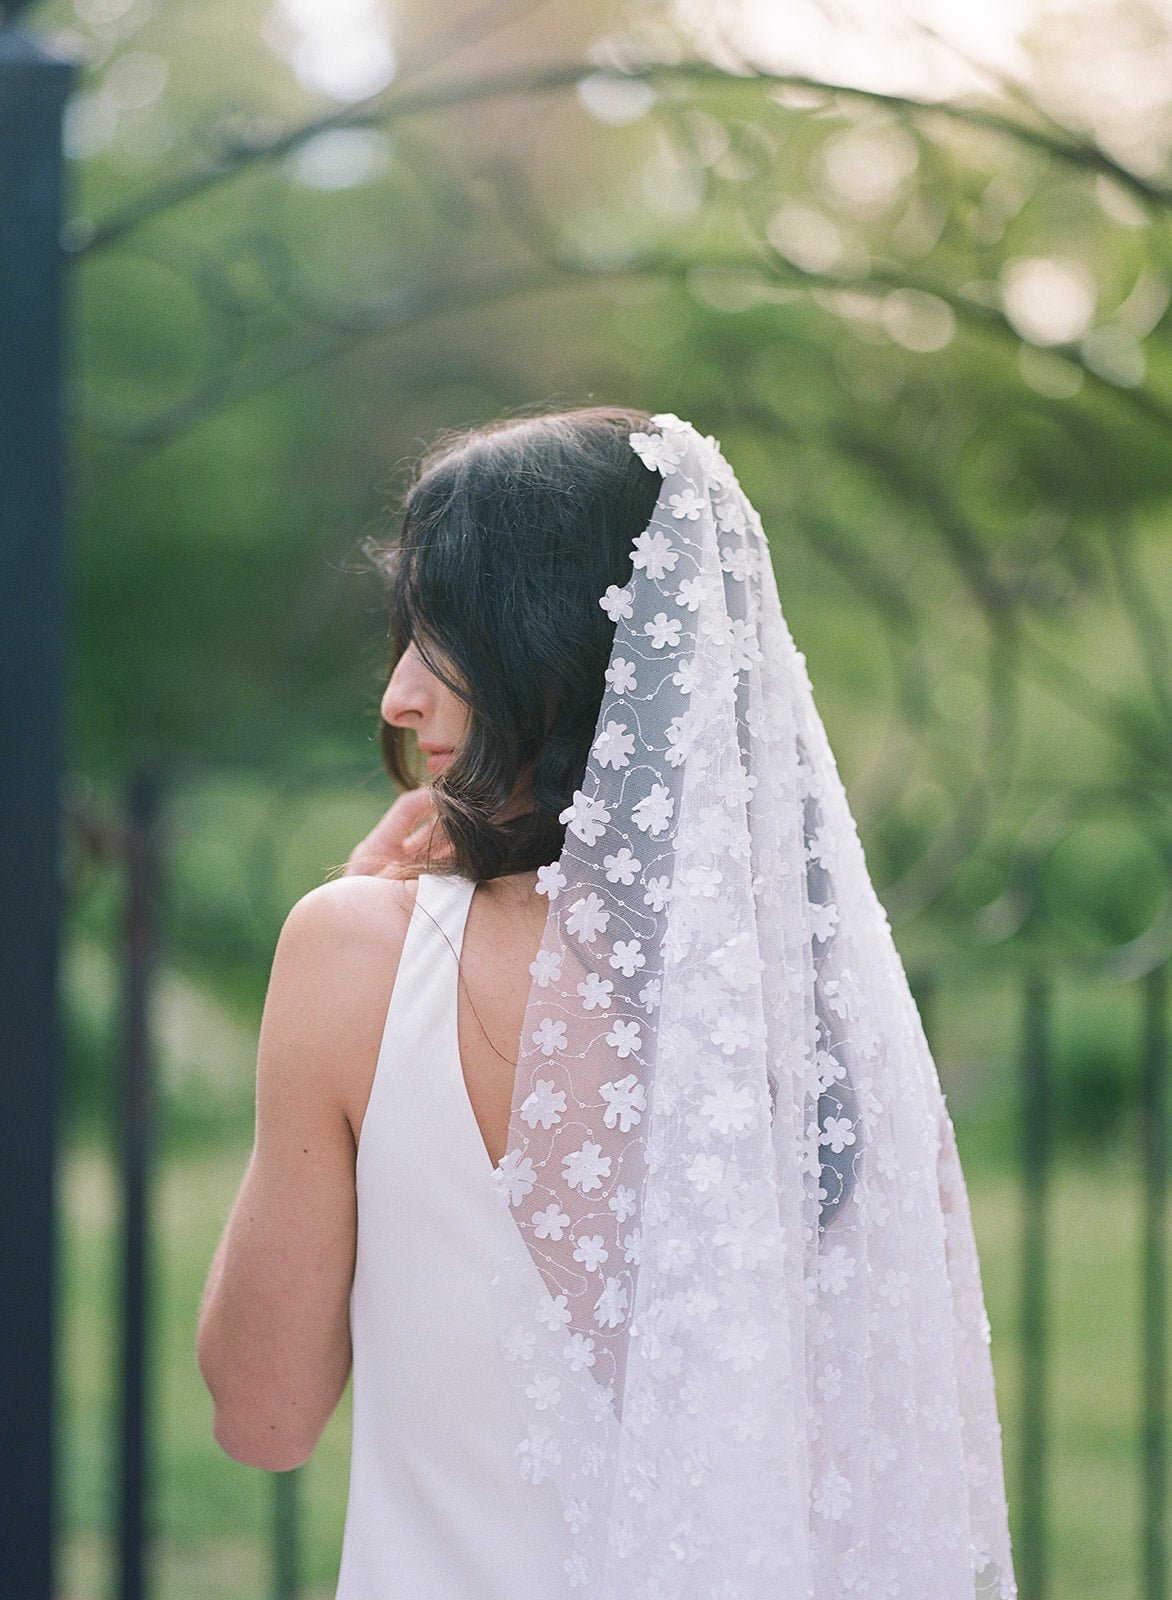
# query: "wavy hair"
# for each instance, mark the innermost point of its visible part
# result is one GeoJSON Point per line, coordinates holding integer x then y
{"type": "Point", "coordinates": [510, 532]}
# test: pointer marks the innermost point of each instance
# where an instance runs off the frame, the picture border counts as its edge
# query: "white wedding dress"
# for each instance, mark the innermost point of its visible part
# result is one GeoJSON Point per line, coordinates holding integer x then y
{"type": "Point", "coordinates": [437, 1509]}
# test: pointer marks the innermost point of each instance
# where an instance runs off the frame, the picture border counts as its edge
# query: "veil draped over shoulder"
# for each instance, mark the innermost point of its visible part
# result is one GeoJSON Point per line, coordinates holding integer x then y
{"type": "Point", "coordinates": [747, 1330]}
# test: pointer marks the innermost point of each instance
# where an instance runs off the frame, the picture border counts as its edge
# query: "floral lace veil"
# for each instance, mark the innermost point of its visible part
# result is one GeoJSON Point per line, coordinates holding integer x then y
{"type": "Point", "coordinates": [747, 1330]}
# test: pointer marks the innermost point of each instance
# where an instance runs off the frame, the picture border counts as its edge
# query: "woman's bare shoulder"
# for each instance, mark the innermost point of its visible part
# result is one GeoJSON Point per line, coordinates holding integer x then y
{"type": "Point", "coordinates": [345, 938]}
{"type": "Point", "coordinates": [337, 957]}
{"type": "Point", "coordinates": [357, 907]}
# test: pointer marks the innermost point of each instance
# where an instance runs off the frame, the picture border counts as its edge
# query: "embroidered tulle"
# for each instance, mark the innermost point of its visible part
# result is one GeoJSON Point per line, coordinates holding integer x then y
{"type": "Point", "coordinates": [748, 1334]}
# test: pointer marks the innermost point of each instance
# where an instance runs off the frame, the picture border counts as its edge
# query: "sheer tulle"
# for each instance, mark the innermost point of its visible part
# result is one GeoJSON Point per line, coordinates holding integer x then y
{"type": "Point", "coordinates": [748, 1335]}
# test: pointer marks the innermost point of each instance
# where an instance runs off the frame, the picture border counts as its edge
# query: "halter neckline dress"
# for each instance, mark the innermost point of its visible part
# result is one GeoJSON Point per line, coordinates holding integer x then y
{"type": "Point", "coordinates": [437, 1509]}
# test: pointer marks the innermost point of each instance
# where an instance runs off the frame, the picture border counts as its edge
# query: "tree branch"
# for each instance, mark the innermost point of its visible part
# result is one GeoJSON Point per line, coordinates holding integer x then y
{"type": "Point", "coordinates": [396, 104]}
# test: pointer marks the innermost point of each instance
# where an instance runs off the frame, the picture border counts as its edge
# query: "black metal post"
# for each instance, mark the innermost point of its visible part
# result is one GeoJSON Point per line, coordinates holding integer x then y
{"type": "Point", "coordinates": [33, 88]}
{"type": "Point", "coordinates": [923, 989]}
{"type": "Point", "coordinates": [1031, 1542]}
{"type": "Point", "coordinates": [137, 1129]}
{"type": "Point", "coordinates": [1154, 1379]}
{"type": "Point", "coordinates": [286, 1568]}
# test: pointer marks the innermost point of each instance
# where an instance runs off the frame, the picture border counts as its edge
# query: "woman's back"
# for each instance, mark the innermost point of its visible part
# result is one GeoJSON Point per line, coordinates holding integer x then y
{"type": "Point", "coordinates": [437, 1506]}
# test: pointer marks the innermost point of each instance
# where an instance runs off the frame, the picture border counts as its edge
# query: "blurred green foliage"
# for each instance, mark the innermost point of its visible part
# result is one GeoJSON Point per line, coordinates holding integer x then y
{"type": "Point", "coordinates": [933, 342]}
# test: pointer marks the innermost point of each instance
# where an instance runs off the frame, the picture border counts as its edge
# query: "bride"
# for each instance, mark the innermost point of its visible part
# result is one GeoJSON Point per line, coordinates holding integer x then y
{"type": "Point", "coordinates": [597, 1132]}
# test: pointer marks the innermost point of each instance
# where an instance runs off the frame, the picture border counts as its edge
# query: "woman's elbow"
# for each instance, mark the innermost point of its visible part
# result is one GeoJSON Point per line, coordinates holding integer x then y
{"type": "Point", "coordinates": [257, 1429]}
{"type": "Point", "coordinates": [255, 1442]}
{"type": "Point", "coordinates": [270, 1411]}
{"type": "Point", "coordinates": [260, 1423]}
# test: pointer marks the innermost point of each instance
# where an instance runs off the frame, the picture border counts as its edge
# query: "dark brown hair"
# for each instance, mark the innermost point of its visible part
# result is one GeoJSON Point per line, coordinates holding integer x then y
{"type": "Point", "coordinates": [511, 532]}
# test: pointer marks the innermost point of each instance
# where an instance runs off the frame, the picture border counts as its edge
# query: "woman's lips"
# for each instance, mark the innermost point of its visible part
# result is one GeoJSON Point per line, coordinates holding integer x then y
{"type": "Point", "coordinates": [438, 759]}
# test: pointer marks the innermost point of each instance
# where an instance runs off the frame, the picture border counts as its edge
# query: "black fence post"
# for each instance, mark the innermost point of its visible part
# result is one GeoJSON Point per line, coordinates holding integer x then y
{"type": "Point", "coordinates": [1031, 1558]}
{"type": "Point", "coordinates": [923, 988]}
{"type": "Point", "coordinates": [33, 88]}
{"type": "Point", "coordinates": [286, 1567]}
{"type": "Point", "coordinates": [1154, 1381]}
{"type": "Point", "coordinates": [137, 1139]}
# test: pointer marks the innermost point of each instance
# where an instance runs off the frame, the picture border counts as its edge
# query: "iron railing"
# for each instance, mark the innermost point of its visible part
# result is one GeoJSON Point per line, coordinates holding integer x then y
{"type": "Point", "coordinates": [136, 838]}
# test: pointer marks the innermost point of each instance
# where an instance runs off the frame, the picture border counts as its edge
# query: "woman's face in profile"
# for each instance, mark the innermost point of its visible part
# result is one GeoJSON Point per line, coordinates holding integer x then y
{"type": "Point", "coordinates": [416, 699]}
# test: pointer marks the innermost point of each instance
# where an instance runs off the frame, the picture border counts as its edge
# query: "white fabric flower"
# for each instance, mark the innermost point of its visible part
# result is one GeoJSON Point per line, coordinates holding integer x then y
{"type": "Point", "coordinates": [538, 1455]}
{"type": "Point", "coordinates": [837, 1132]}
{"type": "Point", "coordinates": [737, 562]}
{"type": "Point", "coordinates": [655, 553]}
{"type": "Point", "coordinates": [616, 603]}
{"type": "Point", "coordinates": [596, 992]}
{"type": "Point", "coordinates": [658, 894]}
{"type": "Point", "coordinates": [550, 1036]}
{"type": "Point", "coordinates": [585, 816]}
{"type": "Point", "coordinates": [620, 676]}
{"type": "Point", "coordinates": [656, 451]}
{"type": "Point", "coordinates": [730, 1109]}
{"type": "Point", "coordinates": [663, 630]}
{"type": "Point", "coordinates": [519, 1344]}
{"type": "Point", "coordinates": [835, 1269]}
{"type": "Point", "coordinates": [628, 957]}
{"type": "Point", "coordinates": [626, 1100]}
{"type": "Point", "coordinates": [546, 967]}
{"type": "Point", "coordinates": [550, 880]}
{"type": "Point", "coordinates": [730, 518]}
{"type": "Point", "coordinates": [622, 867]}
{"type": "Point", "coordinates": [587, 919]}
{"type": "Point", "coordinates": [625, 1039]}
{"type": "Point", "coordinates": [545, 1105]}
{"type": "Point", "coordinates": [516, 1176]}
{"type": "Point", "coordinates": [686, 504]}
{"type": "Point", "coordinates": [550, 1223]}
{"type": "Point", "coordinates": [654, 811]}
{"type": "Point", "coordinates": [614, 746]}
{"type": "Point", "coordinates": [591, 1251]}
{"type": "Point", "coordinates": [554, 1311]}
{"type": "Point", "coordinates": [585, 1168]}
{"type": "Point", "coordinates": [611, 1303]}
{"type": "Point", "coordinates": [579, 1352]}
{"type": "Point", "coordinates": [706, 1172]}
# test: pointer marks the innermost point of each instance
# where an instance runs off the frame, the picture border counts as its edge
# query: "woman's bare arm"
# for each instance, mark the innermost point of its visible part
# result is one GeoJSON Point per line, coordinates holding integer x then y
{"type": "Point", "coordinates": [274, 1331]}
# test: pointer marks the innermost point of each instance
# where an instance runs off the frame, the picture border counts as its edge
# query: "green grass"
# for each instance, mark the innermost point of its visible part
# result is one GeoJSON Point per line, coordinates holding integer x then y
{"type": "Point", "coordinates": [212, 1517]}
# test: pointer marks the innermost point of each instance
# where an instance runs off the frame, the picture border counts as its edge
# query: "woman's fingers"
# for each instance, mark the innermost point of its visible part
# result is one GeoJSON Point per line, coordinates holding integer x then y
{"type": "Point", "coordinates": [397, 835]}
{"type": "Point", "coordinates": [428, 838]}
{"type": "Point", "coordinates": [411, 808]}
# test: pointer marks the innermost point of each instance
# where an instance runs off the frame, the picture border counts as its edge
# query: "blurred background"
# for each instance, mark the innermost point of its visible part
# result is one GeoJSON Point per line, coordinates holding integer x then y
{"type": "Point", "coordinates": [911, 263]}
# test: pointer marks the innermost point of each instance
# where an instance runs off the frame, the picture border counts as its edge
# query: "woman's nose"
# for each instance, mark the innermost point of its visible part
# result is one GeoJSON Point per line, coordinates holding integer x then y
{"type": "Point", "coordinates": [405, 696]}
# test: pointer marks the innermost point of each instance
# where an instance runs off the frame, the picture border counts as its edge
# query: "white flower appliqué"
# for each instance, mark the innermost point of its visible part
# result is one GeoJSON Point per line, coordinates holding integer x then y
{"type": "Point", "coordinates": [626, 1101]}
{"type": "Point", "coordinates": [545, 1105]}
{"type": "Point", "coordinates": [586, 1168]}
{"type": "Point", "coordinates": [655, 553]}
{"type": "Point", "coordinates": [614, 746]}
{"type": "Point", "coordinates": [586, 817]}
{"type": "Point", "coordinates": [616, 603]}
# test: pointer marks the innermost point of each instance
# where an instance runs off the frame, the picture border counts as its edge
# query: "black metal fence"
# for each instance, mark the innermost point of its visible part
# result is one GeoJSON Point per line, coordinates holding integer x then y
{"type": "Point", "coordinates": [136, 840]}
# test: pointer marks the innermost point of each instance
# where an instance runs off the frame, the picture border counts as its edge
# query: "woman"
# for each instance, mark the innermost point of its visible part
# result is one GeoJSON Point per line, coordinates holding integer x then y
{"type": "Point", "coordinates": [609, 1146]}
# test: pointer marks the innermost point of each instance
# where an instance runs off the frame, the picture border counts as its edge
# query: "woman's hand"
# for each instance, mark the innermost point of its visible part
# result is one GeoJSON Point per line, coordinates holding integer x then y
{"type": "Point", "coordinates": [400, 837]}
